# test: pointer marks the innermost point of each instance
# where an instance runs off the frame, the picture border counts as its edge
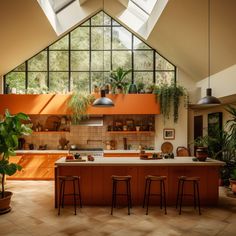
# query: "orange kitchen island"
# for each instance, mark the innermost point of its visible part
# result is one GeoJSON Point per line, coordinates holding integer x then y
{"type": "Point", "coordinates": [96, 177]}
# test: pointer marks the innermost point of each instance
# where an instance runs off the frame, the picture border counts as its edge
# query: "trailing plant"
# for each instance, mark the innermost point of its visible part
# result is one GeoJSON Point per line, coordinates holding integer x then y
{"type": "Point", "coordinates": [79, 103]}
{"type": "Point", "coordinates": [168, 96]}
{"type": "Point", "coordinates": [117, 79]}
{"type": "Point", "coordinates": [11, 128]}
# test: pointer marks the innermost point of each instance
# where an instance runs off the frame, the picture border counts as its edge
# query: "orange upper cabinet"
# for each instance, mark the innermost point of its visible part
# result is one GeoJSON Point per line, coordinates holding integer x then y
{"type": "Point", "coordinates": [57, 104]}
{"type": "Point", "coordinates": [30, 104]}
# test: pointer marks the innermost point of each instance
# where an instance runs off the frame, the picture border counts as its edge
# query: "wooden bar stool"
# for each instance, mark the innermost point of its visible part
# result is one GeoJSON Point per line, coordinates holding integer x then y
{"type": "Point", "coordinates": [147, 191]}
{"type": "Point", "coordinates": [75, 194]}
{"type": "Point", "coordinates": [196, 198]}
{"type": "Point", "coordinates": [119, 179]}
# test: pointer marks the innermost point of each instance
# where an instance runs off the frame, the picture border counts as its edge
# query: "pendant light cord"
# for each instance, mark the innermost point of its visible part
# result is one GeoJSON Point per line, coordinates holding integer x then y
{"type": "Point", "coordinates": [209, 42]}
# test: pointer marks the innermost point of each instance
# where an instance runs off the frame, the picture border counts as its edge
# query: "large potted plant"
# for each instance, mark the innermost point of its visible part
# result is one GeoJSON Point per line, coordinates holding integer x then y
{"type": "Point", "coordinates": [118, 80]}
{"type": "Point", "coordinates": [11, 128]}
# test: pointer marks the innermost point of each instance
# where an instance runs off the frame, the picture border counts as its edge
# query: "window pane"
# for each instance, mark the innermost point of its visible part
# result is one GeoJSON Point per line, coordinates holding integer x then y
{"type": "Point", "coordinates": [16, 81]}
{"type": "Point", "coordinates": [37, 82]}
{"type": "Point", "coordinates": [80, 81]}
{"type": "Point", "coordinates": [121, 59]}
{"type": "Point", "coordinates": [143, 77]}
{"type": "Point", "coordinates": [121, 38]}
{"type": "Point", "coordinates": [115, 23]}
{"type": "Point", "coordinates": [61, 44]}
{"type": "Point", "coordinates": [143, 60]}
{"type": "Point", "coordinates": [80, 38]}
{"type": "Point", "coordinates": [79, 60]}
{"type": "Point", "coordinates": [97, 38]}
{"type": "Point", "coordinates": [163, 64]}
{"type": "Point", "coordinates": [138, 44]}
{"type": "Point", "coordinates": [101, 19]}
{"type": "Point", "coordinates": [20, 67]}
{"type": "Point", "coordinates": [165, 77]}
{"type": "Point", "coordinates": [38, 62]}
{"type": "Point", "coordinates": [97, 60]}
{"type": "Point", "coordinates": [58, 61]}
{"type": "Point", "coordinates": [58, 82]}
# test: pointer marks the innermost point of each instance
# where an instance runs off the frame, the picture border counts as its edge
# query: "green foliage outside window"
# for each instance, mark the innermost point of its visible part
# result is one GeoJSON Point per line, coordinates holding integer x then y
{"type": "Point", "coordinates": [86, 56]}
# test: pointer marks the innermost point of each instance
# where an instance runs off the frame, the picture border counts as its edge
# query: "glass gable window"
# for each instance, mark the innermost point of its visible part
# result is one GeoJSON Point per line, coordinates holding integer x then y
{"type": "Point", "coordinates": [86, 56]}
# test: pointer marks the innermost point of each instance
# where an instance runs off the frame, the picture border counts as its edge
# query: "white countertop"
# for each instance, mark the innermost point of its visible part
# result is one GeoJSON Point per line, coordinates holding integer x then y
{"type": "Point", "coordinates": [66, 151]}
{"type": "Point", "coordinates": [135, 161]}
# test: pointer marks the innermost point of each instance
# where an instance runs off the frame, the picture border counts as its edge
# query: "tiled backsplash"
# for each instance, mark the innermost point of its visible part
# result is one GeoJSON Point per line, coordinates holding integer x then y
{"type": "Point", "coordinates": [95, 136]}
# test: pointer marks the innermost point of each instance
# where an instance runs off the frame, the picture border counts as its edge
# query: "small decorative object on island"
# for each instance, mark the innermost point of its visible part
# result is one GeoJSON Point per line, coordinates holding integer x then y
{"type": "Point", "coordinates": [11, 129]}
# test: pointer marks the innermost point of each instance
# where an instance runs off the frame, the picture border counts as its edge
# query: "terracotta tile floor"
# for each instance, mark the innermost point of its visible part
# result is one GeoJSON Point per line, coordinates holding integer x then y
{"type": "Point", "coordinates": [33, 213]}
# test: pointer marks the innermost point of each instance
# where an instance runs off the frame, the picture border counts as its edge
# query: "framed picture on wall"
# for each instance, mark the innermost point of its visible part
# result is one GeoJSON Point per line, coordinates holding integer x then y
{"type": "Point", "coordinates": [168, 134]}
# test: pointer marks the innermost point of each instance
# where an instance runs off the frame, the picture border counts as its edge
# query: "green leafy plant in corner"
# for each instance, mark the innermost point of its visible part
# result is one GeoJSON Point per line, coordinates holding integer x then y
{"type": "Point", "coordinates": [117, 79]}
{"type": "Point", "coordinates": [79, 103]}
{"type": "Point", "coordinates": [11, 128]}
{"type": "Point", "coordinates": [168, 96]}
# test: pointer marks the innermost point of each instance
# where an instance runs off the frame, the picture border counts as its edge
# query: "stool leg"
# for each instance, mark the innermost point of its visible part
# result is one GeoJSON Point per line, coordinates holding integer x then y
{"type": "Point", "coordinates": [198, 197]}
{"type": "Point", "coordinates": [113, 195]}
{"type": "Point", "coordinates": [74, 195]}
{"type": "Point", "coordinates": [194, 194]}
{"type": "Point", "coordinates": [177, 199]}
{"type": "Point", "coordinates": [63, 192]}
{"type": "Point", "coordinates": [164, 192]}
{"type": "Point", "coordinates": [161, 194]}
{"type": "Point", "coordinates": [60, 197]}
{"type": "Point", "coordinates": [148, 195]}
{"type": "Point", "coordinates": [128, 197]}
{"type": "Point", "coordinates": [145, 192]}
{"type": "Point", "coordinates": [181, 196]}
{"type": "Point", "coordinates": [115, 190]}
{"type": "Point", "coordinates": [80, 199]}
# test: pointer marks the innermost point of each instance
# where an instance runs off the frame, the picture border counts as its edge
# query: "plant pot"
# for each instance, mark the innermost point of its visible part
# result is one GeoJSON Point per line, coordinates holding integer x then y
{"type": "Point", "coordinates": [5, 203]}
{"type": "Point", "coordinates": [133, 88]}
{"type": "Point", "coordinates": [201, 153]}
{"type": "Point", "coordinates": [233, 185]}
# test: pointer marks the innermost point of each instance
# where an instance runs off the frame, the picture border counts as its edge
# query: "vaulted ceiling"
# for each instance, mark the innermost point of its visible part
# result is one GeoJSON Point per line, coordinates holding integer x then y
{"type": "Point", "coordinates": [180, 34]}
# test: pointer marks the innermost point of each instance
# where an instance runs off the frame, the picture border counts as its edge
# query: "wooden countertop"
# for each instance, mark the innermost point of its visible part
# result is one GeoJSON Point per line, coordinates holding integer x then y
{"type": "Point", "coordinates": [134, 161]}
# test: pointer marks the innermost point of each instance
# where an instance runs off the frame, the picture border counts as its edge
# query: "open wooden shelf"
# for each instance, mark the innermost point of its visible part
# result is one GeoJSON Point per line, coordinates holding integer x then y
{"type": "Point", "coordinates": [46, 132]}
{"type": "Point", "coordinates": [131, 132]}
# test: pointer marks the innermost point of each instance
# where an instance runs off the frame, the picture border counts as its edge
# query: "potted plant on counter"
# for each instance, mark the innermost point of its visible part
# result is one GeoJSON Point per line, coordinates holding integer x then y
{"type": "Point", "coordinates": [201, 147]}
{"type": "Point", "coordinates": [11, 129]}
{"type": "Point", "coordinates": [117, 80]}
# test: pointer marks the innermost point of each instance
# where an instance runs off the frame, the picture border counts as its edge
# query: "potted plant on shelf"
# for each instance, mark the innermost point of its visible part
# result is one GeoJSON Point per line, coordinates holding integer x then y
{"type": "Point", "coordinates": [79, 103]}
{"type": "Point", "coordinates": [11, 129]}
{"type": "Point", "coordinates": [117, 80]}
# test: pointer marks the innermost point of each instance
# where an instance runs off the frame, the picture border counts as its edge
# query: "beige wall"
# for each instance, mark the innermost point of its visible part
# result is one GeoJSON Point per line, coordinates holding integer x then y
{"type": "Point", "coordinates": [222, 83]}
{"type": "Point", "coordinates": [181, 129]}
{"type": "Point", "coordinates": [1, 84]}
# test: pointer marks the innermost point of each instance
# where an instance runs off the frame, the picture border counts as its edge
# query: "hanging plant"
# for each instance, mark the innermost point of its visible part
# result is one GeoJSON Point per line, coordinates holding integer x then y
{"type": "Point", "coordinates": [168, 96]}
{"type": "Point", "coordinates": [79, 103]}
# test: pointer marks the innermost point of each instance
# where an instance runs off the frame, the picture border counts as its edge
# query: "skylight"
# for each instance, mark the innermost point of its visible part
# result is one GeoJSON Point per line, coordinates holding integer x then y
{"type": "Point", "coordinates": [59, 5]}
{"type": "Point", "coordinates": [145, 5]}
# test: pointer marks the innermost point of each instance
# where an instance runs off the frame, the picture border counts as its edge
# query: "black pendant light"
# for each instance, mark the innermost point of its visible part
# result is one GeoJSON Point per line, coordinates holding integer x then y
{"type": "Point", "coordinates": [209, 100]}
{"type": "Point", "coordinates": [103, 101]}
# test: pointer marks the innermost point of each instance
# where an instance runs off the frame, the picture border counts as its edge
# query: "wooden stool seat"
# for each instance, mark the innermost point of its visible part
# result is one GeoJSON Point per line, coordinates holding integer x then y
{"type": "Point", "coordinates": [75, 194]}
{"type": "Point", "coordinates": [115, 180]}
{"type": "Point", "coordinates": [196, 198]}
{"type": "Point", "coordinates": [147, 191]}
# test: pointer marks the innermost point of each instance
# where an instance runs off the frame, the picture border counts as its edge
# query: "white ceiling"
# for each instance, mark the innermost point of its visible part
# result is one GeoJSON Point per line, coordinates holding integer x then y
{"type": "Point", "coordinates": [180, 34]}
